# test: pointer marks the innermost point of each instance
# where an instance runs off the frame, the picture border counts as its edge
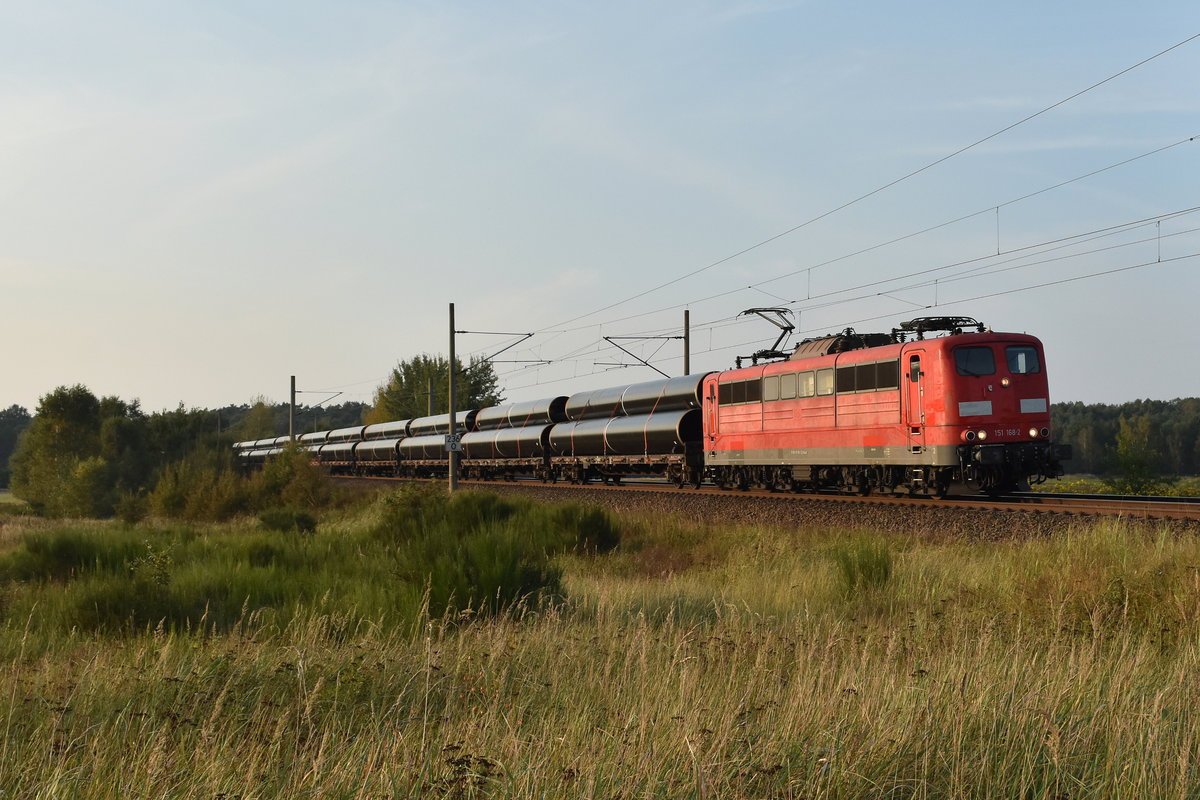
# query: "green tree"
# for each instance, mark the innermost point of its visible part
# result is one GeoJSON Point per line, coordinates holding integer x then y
{"type": "Point", "coordinates": [13, 422]}
{"type": "Point", "coordinates": [65, 432]}
{"type": "Point", "coordinates": [81, 453]}
{"type": "Point", "coordinates": [1135, 457]}
{"type": "Point", "coordinates": [259, 422]}
{"type": "Point", "coordinates": [406, 394]}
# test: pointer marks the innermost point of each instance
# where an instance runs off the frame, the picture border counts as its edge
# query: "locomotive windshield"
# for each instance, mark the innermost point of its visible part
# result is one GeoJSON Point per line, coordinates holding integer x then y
{"type": "Point", "coordinates": [975, 361]}
{"type": "Point", "coordinates": [1023, 360]}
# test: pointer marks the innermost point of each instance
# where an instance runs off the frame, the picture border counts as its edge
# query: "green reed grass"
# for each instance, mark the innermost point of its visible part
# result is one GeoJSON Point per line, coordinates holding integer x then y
{"type": "Point", "coordinates": [741, 669]}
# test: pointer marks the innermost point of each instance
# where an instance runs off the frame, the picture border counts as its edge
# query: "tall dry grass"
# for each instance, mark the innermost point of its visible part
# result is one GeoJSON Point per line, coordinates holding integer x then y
{"type": "Point", "coordinates": [692, 662]}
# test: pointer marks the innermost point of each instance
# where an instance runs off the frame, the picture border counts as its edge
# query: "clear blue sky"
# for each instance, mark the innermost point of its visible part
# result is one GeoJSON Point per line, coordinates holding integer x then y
{"type": "Point", "coordinates": [200, 200]}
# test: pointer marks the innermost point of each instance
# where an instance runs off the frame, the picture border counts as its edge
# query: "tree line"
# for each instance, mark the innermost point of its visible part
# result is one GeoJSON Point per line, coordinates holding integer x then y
{"type": "Point", "coordinates": [80, 455]}
{"type": "Point", "coordinates": [1155, 437]}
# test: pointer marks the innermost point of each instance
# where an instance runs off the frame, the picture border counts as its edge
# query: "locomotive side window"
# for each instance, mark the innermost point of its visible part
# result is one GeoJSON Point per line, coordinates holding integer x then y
{"type": "Point", "coordinates": [1023, 360]}
{"type": "Point", "coordinates": [787, 386]}
{"type": "Point", "coordinates": [824, 382]}
{"type": "Point", "coordinates": [845, 379]}
{"type": "Point", "coordinates": [975, 361]}
{"type": "Point", "coordinates": [873, 377]}
{"type": "Point", "coordinates": [737, 392]}
{"type": "Point", "coordinates": [807, 386]}
{"type": "Point", "coordinates": [770, 388]}
{"type": "Point", "coordinates": [887, 375]}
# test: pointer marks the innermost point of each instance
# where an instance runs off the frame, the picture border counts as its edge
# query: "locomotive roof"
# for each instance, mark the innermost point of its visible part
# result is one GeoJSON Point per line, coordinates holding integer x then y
{"type": "Point", "coordinates": [839, 343]}
{"type": "Point", "coordinates": [850, 340]}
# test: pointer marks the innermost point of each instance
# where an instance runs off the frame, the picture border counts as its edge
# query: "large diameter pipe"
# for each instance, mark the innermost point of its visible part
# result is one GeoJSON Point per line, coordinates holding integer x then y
{"type": "Point", "coordinates": [646, 434]}
{"type": "Point", "coordinates": [668, 394]}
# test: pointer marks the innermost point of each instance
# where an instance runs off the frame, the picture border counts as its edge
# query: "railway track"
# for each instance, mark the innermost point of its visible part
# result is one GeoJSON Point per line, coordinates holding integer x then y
{"type": "Point", "coordinates": [1062, 509]}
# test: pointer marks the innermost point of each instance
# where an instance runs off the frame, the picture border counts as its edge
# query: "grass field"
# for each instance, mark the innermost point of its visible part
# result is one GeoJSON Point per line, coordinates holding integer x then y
{"type": "Point", "coordinates": [1174, 486]}
{"type": "Point", "coordinates": [693, 661]}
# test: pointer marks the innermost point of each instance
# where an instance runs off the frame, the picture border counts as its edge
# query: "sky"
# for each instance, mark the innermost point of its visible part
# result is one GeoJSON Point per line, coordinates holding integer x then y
{"type": "Point", "coordinates": [200, 200]}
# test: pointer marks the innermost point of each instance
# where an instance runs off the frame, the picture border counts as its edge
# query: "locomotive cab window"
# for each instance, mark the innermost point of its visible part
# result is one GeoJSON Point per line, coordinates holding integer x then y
{"type": "Point", "coordinates": [1023, 360]}
{"type": "Point", "coordinates": [975, 362]}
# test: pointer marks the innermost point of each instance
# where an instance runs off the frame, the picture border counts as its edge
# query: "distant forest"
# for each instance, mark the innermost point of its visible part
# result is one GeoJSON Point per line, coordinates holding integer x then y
{"type": "Point", "coordinates": [244, 419]}
{"type": "Point", "coordinates": [1165, 434]}
{"type": "Point", "coordinates": [231, 423]}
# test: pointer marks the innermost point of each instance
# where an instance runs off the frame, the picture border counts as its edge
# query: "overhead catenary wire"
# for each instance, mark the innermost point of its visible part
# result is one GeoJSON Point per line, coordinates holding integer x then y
{"type": "Point", "coordinates": [591, 349]}
{"type": "Point", "coordinates": [880, 245]}
{"type": "Point", "coordinates": [979, 267]}
{"type": "Point", "coordinates": [877, 190]}
{"type": "Point", "coordinates": [1158, 261]}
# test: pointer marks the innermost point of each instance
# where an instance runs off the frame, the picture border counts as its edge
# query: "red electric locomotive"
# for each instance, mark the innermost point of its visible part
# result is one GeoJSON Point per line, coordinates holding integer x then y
{"type": "Point", "coordinates": [867, 412]}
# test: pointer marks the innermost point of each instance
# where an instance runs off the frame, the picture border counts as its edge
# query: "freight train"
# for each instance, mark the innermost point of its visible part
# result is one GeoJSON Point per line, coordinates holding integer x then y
{"type": "Point", "coordinates": [897, 413]}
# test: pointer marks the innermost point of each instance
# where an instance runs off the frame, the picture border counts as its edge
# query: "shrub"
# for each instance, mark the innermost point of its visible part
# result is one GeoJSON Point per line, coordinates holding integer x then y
{"type": "Point", "coordinates": [68, 552]}
{"type": "Point", "coordinates": [132, 507]}
{"type": "Point", "coordinates": [290, 478]}
{"type": "Point", "coordinates": [483, 551]}
{"type": "Point", "coordinates": [170, 494]}
{"type": "Point", "coordinates": [288, 519]}
{"type": "Point", "coordinates": [863, 564]}
{"type": "Point", "coordinates": [595, 529]}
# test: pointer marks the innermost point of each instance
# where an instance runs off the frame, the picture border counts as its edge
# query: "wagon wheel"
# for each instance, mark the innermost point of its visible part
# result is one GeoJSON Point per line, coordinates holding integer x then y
{"type": "Point", "coordinates": [675, 475]}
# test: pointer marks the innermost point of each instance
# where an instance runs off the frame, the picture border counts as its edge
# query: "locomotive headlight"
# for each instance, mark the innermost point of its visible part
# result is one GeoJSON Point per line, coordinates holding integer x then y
{"type": "Point", "coordinates": [1045, 433]}
{"type": "Point", "coordinates": [1005, 382]}
{"type": "Point", "coordinates": [968, 436]}
{"type": "Point", "coordinates": [982, 436]}
{"type": "Point", "coordinates": [1033, 433]}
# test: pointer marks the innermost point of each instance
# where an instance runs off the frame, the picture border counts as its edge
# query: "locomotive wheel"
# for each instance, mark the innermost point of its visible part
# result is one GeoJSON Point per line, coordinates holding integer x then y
{"type": "Point", "coordinates": [720, 478]}
{"type": "Point", "coordinates": [740, 482]}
